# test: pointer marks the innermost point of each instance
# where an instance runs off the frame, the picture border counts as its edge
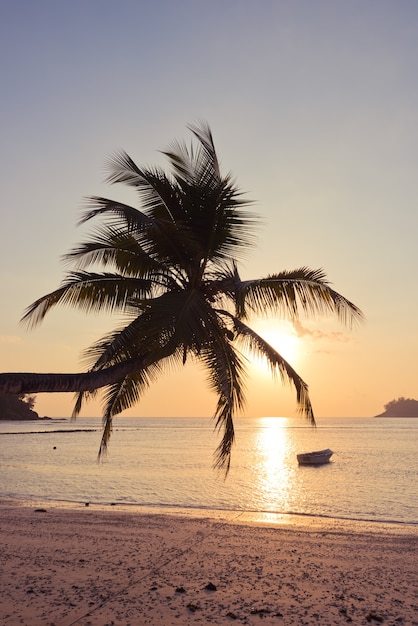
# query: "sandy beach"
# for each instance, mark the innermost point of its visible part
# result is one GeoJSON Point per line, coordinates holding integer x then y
{"type": "Point", "coordinates": [88, 567]}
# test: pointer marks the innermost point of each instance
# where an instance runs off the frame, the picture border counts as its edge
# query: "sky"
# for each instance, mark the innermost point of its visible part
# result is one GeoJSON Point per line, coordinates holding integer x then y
{"type": "Point", "coordinates": [314, 109]}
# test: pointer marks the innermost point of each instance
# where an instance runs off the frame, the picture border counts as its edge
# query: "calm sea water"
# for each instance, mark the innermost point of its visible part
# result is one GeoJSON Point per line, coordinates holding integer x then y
{"type": "Point", "coordinates": [167, 462]}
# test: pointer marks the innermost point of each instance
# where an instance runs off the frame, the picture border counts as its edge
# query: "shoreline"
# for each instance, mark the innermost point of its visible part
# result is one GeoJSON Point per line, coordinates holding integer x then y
{"type": "Point", "coordinates": [67, 566]}
{"type": "Point", "coordinates": [253, 518]}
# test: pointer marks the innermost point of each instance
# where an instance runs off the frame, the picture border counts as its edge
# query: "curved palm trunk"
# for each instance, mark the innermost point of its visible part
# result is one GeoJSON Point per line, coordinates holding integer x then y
{"type": "Point", "coordinates": [25, 382]}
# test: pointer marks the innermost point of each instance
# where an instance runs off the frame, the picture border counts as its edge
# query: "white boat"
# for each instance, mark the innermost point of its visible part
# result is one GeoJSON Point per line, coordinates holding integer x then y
{"type": "Point", "coordinates": [318, 457]}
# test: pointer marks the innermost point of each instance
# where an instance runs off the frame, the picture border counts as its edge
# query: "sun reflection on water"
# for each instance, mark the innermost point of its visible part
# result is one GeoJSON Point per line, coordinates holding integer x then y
{"type": "Point", "coordinates": [274, 476]}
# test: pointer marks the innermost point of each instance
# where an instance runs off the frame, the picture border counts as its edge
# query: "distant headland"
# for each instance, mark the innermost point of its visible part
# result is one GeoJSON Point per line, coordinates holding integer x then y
{"type": "Point", "coordinates": [402, 407]}
{"type": "Point", "coordinates": [18, 408]}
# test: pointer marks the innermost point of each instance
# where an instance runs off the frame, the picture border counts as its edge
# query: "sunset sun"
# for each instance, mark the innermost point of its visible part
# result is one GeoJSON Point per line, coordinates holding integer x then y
{"type": "Point", "coordinates": [282, 336]}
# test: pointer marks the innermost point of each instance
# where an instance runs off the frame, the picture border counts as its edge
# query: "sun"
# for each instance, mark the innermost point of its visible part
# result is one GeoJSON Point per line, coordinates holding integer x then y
{"type": "Point", "coordinates": [282, 336]}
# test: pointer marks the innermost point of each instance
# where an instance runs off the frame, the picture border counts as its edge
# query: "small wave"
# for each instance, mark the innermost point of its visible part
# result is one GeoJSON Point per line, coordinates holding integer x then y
{"type": "Point", "coordinates": [50, 432]}
{"type": "Point", "coordinates": [251, 515]}
{"type": "Point", "coordinates": [163, 506]}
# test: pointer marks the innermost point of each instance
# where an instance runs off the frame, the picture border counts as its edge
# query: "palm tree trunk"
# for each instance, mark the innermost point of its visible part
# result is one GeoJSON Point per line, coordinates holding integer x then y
{"type": "Point", "coordinates": [26, 382]}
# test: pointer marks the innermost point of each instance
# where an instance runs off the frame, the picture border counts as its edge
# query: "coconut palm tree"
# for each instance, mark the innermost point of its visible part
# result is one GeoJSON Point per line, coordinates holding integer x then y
{"type": "Point", "coordinates": [171, 269]}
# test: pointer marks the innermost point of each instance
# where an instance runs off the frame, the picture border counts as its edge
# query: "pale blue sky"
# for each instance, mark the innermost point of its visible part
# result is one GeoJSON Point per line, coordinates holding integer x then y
{"type": "Point", "coordinates": [314, 108]}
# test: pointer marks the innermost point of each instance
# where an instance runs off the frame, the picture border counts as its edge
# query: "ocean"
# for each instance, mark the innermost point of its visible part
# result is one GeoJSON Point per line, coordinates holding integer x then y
{"type": "Point", "coordinates": [168, 463]}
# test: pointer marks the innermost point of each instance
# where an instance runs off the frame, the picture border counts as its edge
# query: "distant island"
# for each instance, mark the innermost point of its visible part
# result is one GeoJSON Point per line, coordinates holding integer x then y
{"type": "Point", "coordinates": [18, 408]}
{"type": "Point", "coordinates": [402, 407]}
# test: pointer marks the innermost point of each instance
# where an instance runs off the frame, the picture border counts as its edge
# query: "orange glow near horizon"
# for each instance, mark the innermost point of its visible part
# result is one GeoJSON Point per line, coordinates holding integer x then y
{"type": "Point", "coordinates": [282, 336]}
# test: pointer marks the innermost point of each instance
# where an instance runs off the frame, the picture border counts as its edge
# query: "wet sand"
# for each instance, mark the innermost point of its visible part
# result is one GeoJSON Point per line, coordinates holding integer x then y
{"type": "Point", "coordinates": [89, 567]}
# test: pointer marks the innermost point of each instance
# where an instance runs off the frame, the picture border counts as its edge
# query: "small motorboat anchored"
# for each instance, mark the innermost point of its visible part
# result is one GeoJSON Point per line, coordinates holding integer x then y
{"type": "Point", "coordinates": [315, 458]}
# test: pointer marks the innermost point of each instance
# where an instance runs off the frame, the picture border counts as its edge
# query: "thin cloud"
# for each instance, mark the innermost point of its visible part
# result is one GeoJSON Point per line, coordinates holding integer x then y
{"type": "Point", "coordinates": [318, 335]}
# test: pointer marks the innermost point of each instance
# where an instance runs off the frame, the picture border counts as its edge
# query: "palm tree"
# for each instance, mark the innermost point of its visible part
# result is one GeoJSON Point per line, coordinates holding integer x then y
{"type": "Point", "coordinates": [171, 269]}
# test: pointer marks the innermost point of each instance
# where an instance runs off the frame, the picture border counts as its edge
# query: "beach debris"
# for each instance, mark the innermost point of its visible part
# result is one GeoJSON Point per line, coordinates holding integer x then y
{"type": "Point", "coordinates": [211, 587]}
{"type": "Point", "coordinates": [231, 615]}
{"type": "Point", "coordinates": [180, 590]}
{"type": "Point", "coordinates": [40, 511]}
{"type": "Point", "coordinates": [344, 612]}
{"type": "Point", "coordinates": [87, 504]}
{"type": "Point", "coordinates": [373, 617]}
{"type": "Point", "coordinates": [193, 607]}
{"type": "Point", "coordinates": [260, 612]}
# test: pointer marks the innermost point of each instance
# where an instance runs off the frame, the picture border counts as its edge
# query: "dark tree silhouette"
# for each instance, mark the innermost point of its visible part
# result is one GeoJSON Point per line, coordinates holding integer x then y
{"type": "Point", "coordinates": [171, 268]}
{"type": "Point", "coordinates": [18, 407]}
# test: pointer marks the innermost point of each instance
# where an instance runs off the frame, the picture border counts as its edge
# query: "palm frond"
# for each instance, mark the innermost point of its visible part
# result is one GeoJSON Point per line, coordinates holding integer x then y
{"type": "Point", "coordinates": [223, 453]}
{"type": "Point", "coordinates": [116, 248]}
{"type": "Point", "coordinates": [123, 215]}
{"type": "Point", "coordinates": [289, 293]}
{"type": "Point", "coordinates": [195, 166]}
{"type": "Point", "coordinates": [226, 372]}
{"type": "Point", "coordinates": [144, 336]}
{"type": "Point", "coordinates": [157, 193]}
{"type": "Point", "coordinates": [255, 344]}
{"type": "Point", "coordinates": [125, 393]}
{"type": "Point", "coordinates": [118, 397]}
{"type": "Point", "coordinates": [213, 206]}
{"type": "Point", "coordinates": [210, 161]}
{"type": "Point", "coordinates": [181, 158]}
{"type": "Point", "coordinates": [89, 292]}
{"type": "Point", "coordinates": [80, 399]}
{"type": "Point", "coordinates": [159, 236]}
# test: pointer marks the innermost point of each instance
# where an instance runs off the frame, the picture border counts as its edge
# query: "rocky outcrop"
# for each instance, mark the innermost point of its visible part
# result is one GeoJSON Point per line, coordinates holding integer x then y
{"type": "Point", "coordinates": [402, 407]}
{"type": "Point", "coordinates": [17, 408]}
